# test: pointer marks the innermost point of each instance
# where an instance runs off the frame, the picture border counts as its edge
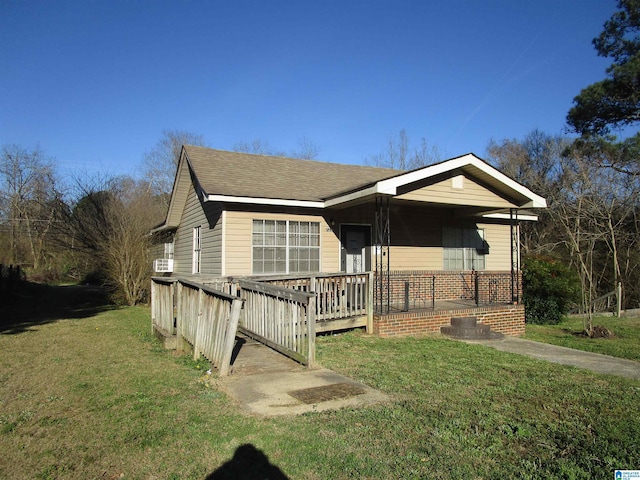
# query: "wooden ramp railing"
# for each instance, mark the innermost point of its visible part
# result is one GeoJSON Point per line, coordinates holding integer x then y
{"type": "Point", "coordinates": [281, 318]}
{"type": "Point", "coordinates": [205, 318]}
{"type": "Point", "coordinates": [209, 319]}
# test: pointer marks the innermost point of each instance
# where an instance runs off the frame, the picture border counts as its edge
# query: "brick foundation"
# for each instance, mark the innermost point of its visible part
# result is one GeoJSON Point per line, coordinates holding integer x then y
{"type": "Point", "coordinates": [505, 319]}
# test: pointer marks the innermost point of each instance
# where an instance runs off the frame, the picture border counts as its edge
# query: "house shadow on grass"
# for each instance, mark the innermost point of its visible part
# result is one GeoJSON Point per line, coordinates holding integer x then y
{"type": "Point", "coordinates": [38, 304]}
{"type": "Point", "coordinates": [248, 463]}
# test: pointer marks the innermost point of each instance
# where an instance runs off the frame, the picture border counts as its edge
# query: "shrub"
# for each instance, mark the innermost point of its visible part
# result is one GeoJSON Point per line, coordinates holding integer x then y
{"type": "Point", "coordinates": [548, 289]}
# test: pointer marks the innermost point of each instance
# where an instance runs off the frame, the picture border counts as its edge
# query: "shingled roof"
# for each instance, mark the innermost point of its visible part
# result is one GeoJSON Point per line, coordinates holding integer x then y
{"type": "Point", "coordinates": [260, 176]}
{"type": "Point", "coordinates": [236, 177]}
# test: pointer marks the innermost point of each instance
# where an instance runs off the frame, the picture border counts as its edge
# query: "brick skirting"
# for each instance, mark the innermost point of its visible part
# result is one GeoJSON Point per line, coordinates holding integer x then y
{"type": "Point", "coordinates": [505, 319]}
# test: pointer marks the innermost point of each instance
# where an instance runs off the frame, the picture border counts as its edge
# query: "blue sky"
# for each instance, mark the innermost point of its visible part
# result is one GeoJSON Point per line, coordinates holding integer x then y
{"type": "Point", "coordinates": [94, 83]}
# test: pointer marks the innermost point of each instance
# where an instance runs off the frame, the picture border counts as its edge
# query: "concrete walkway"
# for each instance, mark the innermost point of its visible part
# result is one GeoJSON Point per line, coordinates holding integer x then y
{"type": "Point", "coordinates": [565, 356]}
{"type": "Point", "coordinates": [265, 382]}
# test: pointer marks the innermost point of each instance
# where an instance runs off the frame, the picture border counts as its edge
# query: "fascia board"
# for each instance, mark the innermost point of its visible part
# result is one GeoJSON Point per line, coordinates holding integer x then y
{"type": "Point", "coordinates": [536, 201]}
{"type": "Point", "coordinates": [264, 201]}
{"type": "Point", "coordinates": [506, 216]}
{"type": "Point", "coordinates": [174, 210]}
{"type": "Point", "coordinates": [354, 196]}
{"type": "Point", "coordinates": [390, 185]}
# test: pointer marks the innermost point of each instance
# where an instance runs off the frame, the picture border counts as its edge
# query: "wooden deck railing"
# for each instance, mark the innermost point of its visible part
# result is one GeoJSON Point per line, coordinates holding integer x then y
{"type": "Point", "coordinates": [338, 296]}
{"type": "Point", "coordinates": [205, 318]}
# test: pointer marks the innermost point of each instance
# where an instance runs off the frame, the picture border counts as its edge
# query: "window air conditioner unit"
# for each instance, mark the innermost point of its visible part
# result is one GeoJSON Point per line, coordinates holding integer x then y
{"type": "Point", "coordinates": [163, 265]}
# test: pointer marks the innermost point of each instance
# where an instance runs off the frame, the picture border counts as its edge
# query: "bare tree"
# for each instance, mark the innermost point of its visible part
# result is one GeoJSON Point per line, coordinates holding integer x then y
{"type": "Point", "coordinates": [28, 203]}
{"type": "Point", "coordinates": [536, 162]}
{"type": "Point", "coordinates": [306, 149]}
{"type": "Point", "coordinates": [592, 217]}
{"type": "Point", "coordinates": [108, 227]}
{"type": "Point", "coordinates": [595, 214]}
{"type": "Point", "coordinates": [160, 163]}
{"type": "Point", "coordinates": [399, 154]}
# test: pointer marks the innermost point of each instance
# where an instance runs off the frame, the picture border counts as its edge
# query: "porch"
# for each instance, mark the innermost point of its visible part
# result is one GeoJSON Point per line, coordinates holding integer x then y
{"type": "Point", "coordinates": [287, 312]}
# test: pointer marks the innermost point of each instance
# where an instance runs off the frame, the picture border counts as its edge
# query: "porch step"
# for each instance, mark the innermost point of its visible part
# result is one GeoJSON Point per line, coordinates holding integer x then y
{"type": "Point", "coordinates": [464, 321]}
{"type": "Point", "coordinates": [467, 328]}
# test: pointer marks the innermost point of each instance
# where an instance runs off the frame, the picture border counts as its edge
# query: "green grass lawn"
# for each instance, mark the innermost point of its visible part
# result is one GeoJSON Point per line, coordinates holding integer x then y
{"type": "Point", "coordinates": [625, 342]}
{"type": "Point", "coordinates": [95, 397]}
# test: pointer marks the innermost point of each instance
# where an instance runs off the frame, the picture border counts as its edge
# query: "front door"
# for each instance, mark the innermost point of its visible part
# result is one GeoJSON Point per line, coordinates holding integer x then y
{"type": "Point", "coordinates": [355, 239]}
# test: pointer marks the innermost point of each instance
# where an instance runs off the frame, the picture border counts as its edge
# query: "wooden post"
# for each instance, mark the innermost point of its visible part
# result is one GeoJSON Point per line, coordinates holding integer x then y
{"type": "Point", "coordinates": [154, 301]}
{"type": "Point", "coordinates": [311, 332]}
{"type": "Point", "coordinates": [619, 299]}
{"type": "Point", "coordinates": [179, 339]}
{"type": "Point", "coordinates": [230, 338]}
{"type": "Point", "coordinates": [197, 340]}
{"type": "Point", "coordinates": [369, 303]}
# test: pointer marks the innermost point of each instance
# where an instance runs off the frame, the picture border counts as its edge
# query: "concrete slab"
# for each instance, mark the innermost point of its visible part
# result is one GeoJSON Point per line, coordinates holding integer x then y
{"type": "Point", "coordinates": [261, 381]}
{"type": "Point", "coordinates": [566, 356]}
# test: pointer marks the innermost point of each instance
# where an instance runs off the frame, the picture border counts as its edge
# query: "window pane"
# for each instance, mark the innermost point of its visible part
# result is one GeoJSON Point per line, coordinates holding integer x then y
{"type": "Point", "coordinates": [304, 227]}
{"type": "Point", "coordinates": [314, 228]}
{"type": "Point", "coordinates": [314, 266]}
{"type": "Point", "coordinates": [314, 253]}
{"type": "Point", "coordinates": [257, 267]}
{"type": "Point", "coordinates": [281, 266]}
{"type": "Point", "coordinates": [269, 254]}
{"type": "Point", "coordinates": [304, 240]}
{"type": "Point", "coordinates": [281, 239]}
{"type": "Point", "coordinates": [258, 226]}
{"type": "Point", "coordinates": [294, 227]}
{"type": "Point", "coordinates": [281, 227]}
{"type": "Point", "coordinates": [258, 253]}
{"type": "Point", "coordinates": [257, 239]}
{"type": "Point", "coordinates": [269, 226]}
{"type": "Point", "coordinates": [314, 240]}
{"type": "Point", "coordinates": [269, 239]}
{"type": "Point", "coordinates": [281, 254]}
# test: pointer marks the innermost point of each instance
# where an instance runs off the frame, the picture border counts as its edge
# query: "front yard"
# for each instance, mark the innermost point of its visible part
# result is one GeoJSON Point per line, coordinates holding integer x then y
{"type": "Point", "coordinates": [625, 342]}
{"type": "Point", "coordinates": [96, 397]}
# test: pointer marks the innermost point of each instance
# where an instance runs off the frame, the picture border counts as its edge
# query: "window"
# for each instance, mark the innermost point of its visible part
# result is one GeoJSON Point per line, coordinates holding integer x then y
{"type": "Point", "coordinates": [281, 246]}
{"type": "Point", "coordinates": [197, 251]}
{"type": "Point", "coordinates": [464, 248]}
{"type": "Point", "coordinates": [168, 251]}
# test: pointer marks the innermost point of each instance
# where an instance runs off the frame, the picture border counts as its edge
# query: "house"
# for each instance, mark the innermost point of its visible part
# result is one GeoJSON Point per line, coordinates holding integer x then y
{"type": "Point", "coordinates": [444, 232]}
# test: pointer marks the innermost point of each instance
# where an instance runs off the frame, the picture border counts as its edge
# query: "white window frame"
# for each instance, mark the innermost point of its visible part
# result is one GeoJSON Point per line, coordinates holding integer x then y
{"type": "Point", "coordinates": [168, 250]}
{"type": "Point", "coordinates": [196, 265]}
{"type": "Point", "coordinates": [290, 246]}
{"type": "Point", "coordinates": [464, 246]}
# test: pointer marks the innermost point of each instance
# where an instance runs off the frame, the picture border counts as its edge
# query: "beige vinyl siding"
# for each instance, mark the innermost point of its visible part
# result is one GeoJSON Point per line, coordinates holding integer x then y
{"type": "Point", "coordinates": [498, 237]}
{"type": "Point", "coordinates": [416, 237]}
{"type": "Point", "coordinates": [238, 228]}
{"type": "Point", "coordinates": [208, 217]}
{"type": "Point", "coordinates": [415, 258]}
{"type": "Point", "coordinates": [471, 193]}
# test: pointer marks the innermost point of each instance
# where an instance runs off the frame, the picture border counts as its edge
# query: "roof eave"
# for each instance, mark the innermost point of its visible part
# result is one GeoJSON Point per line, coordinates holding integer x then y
{"type": "Point", "coordinates": [390, 186]}
{"type": "Point", "coordinates": [283, 202]}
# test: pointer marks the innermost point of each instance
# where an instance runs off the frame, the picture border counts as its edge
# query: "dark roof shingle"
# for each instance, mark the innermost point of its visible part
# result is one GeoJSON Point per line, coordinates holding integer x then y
{"type": "Point", "coordinates": [260, 176]}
